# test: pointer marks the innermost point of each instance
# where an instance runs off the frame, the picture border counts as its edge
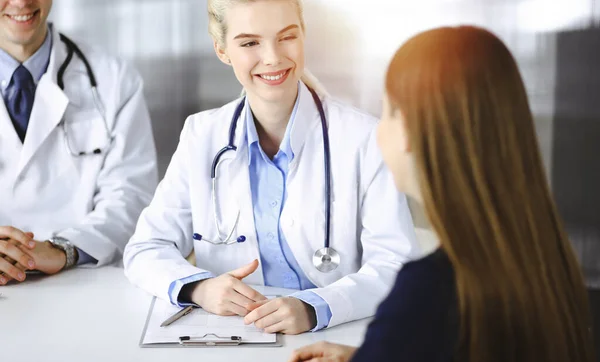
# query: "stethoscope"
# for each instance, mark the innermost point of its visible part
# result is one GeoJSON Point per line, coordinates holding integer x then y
{"type": "Point", "coordinates": [72, 48]}
{"type": "Point", "coordinates": [325, 259]}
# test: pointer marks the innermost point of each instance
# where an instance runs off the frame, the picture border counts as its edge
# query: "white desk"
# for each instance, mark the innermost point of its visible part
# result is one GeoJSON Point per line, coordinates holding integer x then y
{"type": "Point", "coordinates": [89, 315]}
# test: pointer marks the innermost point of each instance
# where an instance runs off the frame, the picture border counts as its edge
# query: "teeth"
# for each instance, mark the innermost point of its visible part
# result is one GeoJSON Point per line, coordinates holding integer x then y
{"type": "Point", "coordinates": [21, 17]}
{"type": "Point", "coordinates": [273, 77]}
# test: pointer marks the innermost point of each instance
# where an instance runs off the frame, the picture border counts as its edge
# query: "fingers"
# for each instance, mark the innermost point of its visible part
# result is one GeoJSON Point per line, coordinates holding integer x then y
{"type": "Point", "coordinates": [240, 300]}
{"type": "Point", "coordinates": [8, 249]}
{"type": "Point", "coordinates": [6, 279]}
{"type": "Point", "coordinates": [275, 328]}
{"type": "Point", "coordinates": [241, 273]}
{"type": "Point", "coordinates": [9, 232]}
{"type": "Point", "coordinates": [262, 311]}
{"type": "Point", "coordinates": [10, 272]}
{"type": "Point", "coordinates": [236, 309]}
{"type": "Point", "coordinates": [269, 321]}
{"type": "Point", "coordinates": [258, 304]}
{"type": "Point", "coordinates": [310, 352]}
{"type": "Point", "coordinates": [243, 289]}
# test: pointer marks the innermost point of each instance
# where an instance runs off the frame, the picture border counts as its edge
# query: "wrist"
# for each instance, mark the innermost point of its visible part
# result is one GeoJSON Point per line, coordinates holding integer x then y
{"type": "Point", "coordinates": [186, 295]}
{"type": "Point", "coordinates": [312, 315]}
{"type": "Point", "coordinates": [67, 249]}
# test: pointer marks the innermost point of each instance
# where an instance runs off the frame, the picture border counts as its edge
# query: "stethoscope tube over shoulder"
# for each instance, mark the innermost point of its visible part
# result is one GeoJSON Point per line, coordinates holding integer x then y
{"type": "Point", "coordinates": [72, 48]}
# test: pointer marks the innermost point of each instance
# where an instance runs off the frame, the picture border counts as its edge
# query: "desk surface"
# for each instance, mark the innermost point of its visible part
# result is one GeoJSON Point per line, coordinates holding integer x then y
{"type": "Point", "coordinates": [89, 315]}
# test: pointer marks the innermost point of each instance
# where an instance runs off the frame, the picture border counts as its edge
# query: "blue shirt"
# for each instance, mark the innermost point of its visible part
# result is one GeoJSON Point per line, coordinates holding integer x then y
{"type": "Point", "coordinates": [37, 65]}
{"type": "Point", "coordinates": [268, 185]}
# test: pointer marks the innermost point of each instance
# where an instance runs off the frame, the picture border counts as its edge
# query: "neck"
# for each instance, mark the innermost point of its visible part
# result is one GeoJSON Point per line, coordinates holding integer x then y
{"type": "Point", "coordinates": [271, 120]}
{"type": "Point", "coordinates": [22, 52]}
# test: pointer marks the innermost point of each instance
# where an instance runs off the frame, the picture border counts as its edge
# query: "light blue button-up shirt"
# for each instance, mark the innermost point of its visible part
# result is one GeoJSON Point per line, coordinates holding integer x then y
{"type": "Point", "coordinates": [37, 65]}
{"type": "Point", "coordinates": [268, 185]}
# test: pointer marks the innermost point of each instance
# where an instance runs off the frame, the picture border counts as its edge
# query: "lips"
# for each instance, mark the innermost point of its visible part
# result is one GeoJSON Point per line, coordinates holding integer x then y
{"type": "Point", "coordinates": [23, 18]}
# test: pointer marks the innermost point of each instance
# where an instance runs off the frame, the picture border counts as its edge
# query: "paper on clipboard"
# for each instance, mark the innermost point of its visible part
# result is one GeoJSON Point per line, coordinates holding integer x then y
{"type": "Point", "coordinates": [199, 325]}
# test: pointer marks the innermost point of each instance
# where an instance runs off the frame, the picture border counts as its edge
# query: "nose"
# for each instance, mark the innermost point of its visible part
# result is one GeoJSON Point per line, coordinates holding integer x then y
{"type": "Point", "coordinates": [271, 55]}
{"type": "Point", "coordinates": [20, 3]}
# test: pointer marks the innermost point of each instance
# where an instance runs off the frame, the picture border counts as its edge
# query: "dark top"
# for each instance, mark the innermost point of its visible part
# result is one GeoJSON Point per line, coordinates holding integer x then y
{"type": "Point", "coordinates": [418, 321]}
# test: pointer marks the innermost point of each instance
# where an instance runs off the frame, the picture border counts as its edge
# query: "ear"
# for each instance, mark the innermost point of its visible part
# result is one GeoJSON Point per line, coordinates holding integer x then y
{"type": "Point", "coordinates": [221, 54]}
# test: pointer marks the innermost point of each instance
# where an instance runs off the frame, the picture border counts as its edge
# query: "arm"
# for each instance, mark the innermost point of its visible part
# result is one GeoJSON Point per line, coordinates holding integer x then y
{"type": "Point", "coordinates": [126, 181]}
{"type": "Point", "coordinates": [154, 257]}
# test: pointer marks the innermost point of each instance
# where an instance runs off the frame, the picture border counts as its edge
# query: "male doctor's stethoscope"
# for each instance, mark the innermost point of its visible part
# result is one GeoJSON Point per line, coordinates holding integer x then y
{"type": "Point", "coordinates": [72, 48]}
{"type": "Point", "coordinates": [325, 259]}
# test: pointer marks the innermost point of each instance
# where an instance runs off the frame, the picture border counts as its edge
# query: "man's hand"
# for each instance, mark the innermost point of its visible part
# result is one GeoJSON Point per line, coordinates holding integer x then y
{"type": "Point", "coordinates": [15, 254]}
{"type": "Point", "coordinates": [19, 252]}
{"type": "Point", "coordinates": [47, 258]}
{"type": "Point", "coordinates": [226, 294]}
{"type": "Point", "coordinates": [323, 351]}
{"type": "Point", "coordinates": [286, 315]}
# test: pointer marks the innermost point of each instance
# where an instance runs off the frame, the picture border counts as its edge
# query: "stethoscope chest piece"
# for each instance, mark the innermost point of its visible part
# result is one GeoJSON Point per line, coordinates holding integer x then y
{"type": "Point", "coordinates": [326, 259]}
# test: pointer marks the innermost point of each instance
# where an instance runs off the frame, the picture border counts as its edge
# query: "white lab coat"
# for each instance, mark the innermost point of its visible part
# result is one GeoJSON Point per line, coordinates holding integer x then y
{"type": "Point", "coordinates": [93, 201]}
{"type": "Point", "coordinates": [371, 226]}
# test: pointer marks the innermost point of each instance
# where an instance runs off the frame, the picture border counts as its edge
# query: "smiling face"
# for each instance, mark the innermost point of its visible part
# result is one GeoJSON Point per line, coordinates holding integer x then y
{"type": "Point", "coordinates": [23, 24]}
{"type": "Point", "coordinates": [265, 46]}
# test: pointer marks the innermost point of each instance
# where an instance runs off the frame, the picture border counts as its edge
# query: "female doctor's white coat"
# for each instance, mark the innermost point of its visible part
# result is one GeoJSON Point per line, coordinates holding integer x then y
{"type": "Point", "coordinates": [93, 201]}
{"type": "Point", "coordinates": [371, 226]}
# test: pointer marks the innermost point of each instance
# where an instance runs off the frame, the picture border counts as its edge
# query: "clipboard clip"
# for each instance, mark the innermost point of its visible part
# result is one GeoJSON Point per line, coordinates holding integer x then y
{"type": "Point", "coordinates": [198, 341]}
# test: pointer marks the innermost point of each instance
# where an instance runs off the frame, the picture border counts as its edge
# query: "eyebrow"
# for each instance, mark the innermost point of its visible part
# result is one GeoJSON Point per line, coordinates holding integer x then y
{"type": "Point", "coordinates": [245, 35]}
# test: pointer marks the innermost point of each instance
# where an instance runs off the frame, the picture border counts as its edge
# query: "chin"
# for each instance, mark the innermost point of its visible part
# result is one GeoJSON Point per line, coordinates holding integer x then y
{"type": "Point", "coordinates": [275, 94]}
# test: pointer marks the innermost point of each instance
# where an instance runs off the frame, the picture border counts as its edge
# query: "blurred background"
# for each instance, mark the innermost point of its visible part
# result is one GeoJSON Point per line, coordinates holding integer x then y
{"type": "Point", "coordinates": [349, 44]}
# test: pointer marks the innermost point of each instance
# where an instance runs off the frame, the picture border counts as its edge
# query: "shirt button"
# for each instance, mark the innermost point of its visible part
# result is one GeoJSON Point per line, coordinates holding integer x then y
{"type": "Point", "coordinates": [273, 203]}
{"type": "Point", "coordinates": [3, 83]}
{"type": "Point", "coordinates": [270, 235]}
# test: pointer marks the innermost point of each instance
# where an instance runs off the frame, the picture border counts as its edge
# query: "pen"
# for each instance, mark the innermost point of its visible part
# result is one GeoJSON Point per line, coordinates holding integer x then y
{"type": "Point", "coordinates": [176, 316]}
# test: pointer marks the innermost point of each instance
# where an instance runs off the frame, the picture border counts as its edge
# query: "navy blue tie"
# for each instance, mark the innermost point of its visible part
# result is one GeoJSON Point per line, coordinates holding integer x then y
{"type": "Point", "coordinates": [21, 102]}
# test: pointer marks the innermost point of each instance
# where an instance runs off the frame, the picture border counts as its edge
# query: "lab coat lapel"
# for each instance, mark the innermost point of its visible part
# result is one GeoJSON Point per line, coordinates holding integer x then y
{"type": "Point", "coordinates": [239, 183]}
{"type": "Point", "coordinates": [9, 140]}
{"type": "Point", "coordinates": [49, 105]}
{"type": "Point", "coordinates": [307, 117]}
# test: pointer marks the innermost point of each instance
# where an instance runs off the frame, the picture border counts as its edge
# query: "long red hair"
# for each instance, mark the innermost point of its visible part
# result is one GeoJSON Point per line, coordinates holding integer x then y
{"type": "Point", "coordinates": [520, 289]}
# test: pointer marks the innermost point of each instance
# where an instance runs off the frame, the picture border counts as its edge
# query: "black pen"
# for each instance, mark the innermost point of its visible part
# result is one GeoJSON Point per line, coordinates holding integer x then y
{"type": "Point", "coordinates": [177, 315]}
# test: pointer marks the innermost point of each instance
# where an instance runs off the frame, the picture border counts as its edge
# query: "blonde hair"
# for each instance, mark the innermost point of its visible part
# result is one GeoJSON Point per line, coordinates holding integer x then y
{"type": "Point", "coordinates": [217, 28]}
{"type": "Point", "coordinates": [520, 289]}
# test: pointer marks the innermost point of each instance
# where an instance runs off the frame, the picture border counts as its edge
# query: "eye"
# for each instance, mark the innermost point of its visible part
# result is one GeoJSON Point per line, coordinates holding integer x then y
{"type": "Point", "coordinates": [289, 37]}
{"type": "Point", "coordinates": [249, 44]}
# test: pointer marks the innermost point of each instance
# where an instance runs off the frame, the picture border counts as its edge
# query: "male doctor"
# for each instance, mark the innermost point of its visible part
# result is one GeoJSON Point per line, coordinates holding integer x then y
{"type": "Point", "coordinates": [75, 171]}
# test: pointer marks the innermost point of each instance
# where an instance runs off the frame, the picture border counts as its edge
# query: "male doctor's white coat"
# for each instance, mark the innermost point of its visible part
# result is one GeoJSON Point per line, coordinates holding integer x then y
{"type": "Point", "coordinates": [371, 226]}
{"type": "Point", "coordinates": [93, 201]}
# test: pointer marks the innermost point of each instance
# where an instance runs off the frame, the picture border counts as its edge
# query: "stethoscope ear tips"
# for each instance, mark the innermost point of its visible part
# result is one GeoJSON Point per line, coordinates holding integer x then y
{"type": "Point", "coordinates": [241, 239]}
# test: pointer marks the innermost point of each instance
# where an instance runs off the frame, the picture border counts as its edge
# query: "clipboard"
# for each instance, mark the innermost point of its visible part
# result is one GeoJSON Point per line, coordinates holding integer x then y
{"type": "Point", "coordinates": [205, 340]}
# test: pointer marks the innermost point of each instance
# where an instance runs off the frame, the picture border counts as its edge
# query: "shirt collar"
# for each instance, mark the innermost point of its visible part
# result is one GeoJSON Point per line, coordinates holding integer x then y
{"type": "Point", "coordinates": [36, 64]}
{"type": "Point", "coordinates": [252, 134]}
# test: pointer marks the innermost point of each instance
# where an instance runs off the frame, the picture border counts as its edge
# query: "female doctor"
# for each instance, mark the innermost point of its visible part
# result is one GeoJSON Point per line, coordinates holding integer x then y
{"type": "Point", "coordinates": [248, 182]}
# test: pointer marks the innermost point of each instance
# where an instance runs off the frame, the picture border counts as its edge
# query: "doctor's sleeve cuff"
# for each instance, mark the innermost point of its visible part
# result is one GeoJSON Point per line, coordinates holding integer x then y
{"type": "Point", "coordinates": [85, 258]}
{"type": "Point", "coordinates": [175, 287]}
{"type": "Point", "coordinates": [322, 309]}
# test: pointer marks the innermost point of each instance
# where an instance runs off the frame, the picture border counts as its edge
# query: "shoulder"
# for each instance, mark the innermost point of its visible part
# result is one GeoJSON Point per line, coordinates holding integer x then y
{"type": "Point", "coordinates": [347, 114]}
{"type": "Point", "coordinates": [418, 317]}
{"type": "Point", "coordinates": [424, 276]}
{"type": "Point", "coordinates": [107, 68]}
{"type": "Point", "coordinates": [424, 292]}
{"type": "Point", "coordinates": [208, 121]}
